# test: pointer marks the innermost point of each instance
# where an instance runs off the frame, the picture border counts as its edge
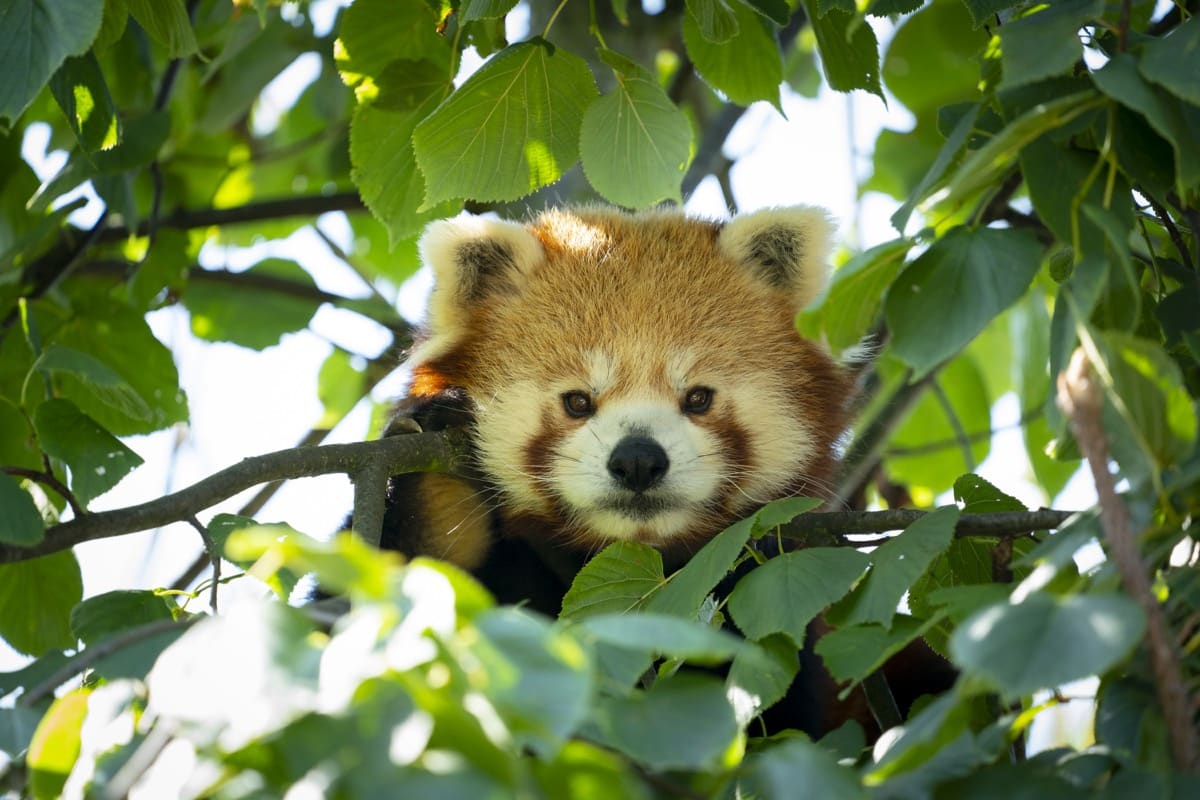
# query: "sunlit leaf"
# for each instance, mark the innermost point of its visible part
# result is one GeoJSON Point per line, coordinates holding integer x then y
{"type": "Point", "coordinates": [636, 144]}
{"type": "Point", "coordinates": [35, 37]}
{"type": "Point", "coordinates": [511, 128]}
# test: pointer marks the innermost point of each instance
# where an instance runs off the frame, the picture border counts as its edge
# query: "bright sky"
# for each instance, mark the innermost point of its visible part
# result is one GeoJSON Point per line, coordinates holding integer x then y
{"type": "Point", "coordinates": [246, 403]}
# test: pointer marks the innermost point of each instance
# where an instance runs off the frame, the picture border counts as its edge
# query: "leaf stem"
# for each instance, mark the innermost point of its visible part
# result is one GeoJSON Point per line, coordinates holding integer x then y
{"type": "Point", "coordinates": [553, 17]}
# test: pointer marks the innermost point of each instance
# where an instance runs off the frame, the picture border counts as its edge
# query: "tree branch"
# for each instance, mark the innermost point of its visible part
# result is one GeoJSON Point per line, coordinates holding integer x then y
{"type": "Point", "coordinates": [1081, 398]}
{"type": "Point", "coordinates": [369, 464]}
{"type": "Point", "coordinates": [830, 529]}
{"type": "Point", "coordinates": [443, 452]}
{"type": "Point", "coordinates": [186, 219]}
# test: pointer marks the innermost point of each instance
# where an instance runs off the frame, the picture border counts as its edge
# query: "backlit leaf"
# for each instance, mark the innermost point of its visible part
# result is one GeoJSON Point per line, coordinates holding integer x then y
{"type": "Point", "coordinates": [747, 67]}
{"type": "Point", "coordinates": [511, 128]}
{"type": "Point", "coordinates": [35, 37]}
{"type": "Point", "coordinates": [617, 579]}
{"type": "Point", "coordinates": [636, 144]}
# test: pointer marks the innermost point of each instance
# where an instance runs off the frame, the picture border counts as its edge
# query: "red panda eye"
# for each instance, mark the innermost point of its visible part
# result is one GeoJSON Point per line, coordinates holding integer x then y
{"type": "Point", "coordinates": [697, 400]}
{"type": "Point", "coordinates": [577, 404]}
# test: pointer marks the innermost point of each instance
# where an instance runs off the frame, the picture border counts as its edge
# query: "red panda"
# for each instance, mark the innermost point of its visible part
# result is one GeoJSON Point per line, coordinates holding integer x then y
{"type": "Point", "coordinates": [625, 377]}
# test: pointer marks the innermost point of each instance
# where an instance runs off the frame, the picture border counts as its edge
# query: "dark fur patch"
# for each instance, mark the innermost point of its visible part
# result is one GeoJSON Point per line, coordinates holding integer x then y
{"type": "Point", "coordinates": [778, 251]}
{"type": "Point", "coordinates": [483, 263]}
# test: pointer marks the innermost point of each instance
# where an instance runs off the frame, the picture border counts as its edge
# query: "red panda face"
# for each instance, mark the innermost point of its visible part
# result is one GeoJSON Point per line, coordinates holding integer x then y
{"type": "Point", "coordinates": [636, 377]}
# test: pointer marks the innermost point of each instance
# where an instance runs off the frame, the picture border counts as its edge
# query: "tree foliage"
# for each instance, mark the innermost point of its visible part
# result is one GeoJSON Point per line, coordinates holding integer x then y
{"type": "Point", "coordinates": [1045, 245]}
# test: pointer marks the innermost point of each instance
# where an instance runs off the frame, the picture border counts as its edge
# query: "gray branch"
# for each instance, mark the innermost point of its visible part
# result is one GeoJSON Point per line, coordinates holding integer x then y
{"type": "Point", "coordinates": [426, 452]}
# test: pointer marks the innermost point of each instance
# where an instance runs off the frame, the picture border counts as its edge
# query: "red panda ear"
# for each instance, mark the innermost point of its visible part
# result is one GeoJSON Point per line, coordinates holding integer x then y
{"type": "Point", "coordinates": [472, 257]}
{"type": "Point", "coordinates": [786, 247]}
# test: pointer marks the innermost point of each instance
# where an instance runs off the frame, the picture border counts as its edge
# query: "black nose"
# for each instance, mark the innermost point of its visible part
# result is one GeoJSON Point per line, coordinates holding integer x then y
{"type": "Point", "coordinates": [638, 463]}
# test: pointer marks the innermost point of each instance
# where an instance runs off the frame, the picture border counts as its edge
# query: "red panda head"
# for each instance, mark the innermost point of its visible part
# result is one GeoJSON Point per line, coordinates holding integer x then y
{"type": "Point", "coordinates": [636, 376]}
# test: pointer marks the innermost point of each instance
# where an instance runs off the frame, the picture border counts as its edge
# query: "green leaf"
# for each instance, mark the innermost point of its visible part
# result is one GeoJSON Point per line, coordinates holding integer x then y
{"type": "Point", "coordinates": [35, 37]}
{"type": "Point", "coordinates": [895, 566]}
{"type": "Point", "coordinates": [928, 733]}
{"type": "Point", "coordinates": [777, 11]}
{"type": "Point", "coordinates": [36, 598]}
{"type": "Point", "coordinates": [1154, 414]}
{"type": "Point", "coordinates": [83, 96]}
{"type": "Point", "coordinates": [746, 68]}
{"type": "Point", "coordinates": [17, 724]}
{"type": "Point", "coordinates": [664, 635]}
{"type": "Point", "coordinates": [636, 144]}
{"type": "Point", "coordinates": [116, 611]}
{"type": "Point", "coordinates": [849, 52]}
{"type": "Point", "coordinates": [786, 593]}
{"type": "Point", "coordinates": [108, 387]}
{"type": "Point", "coordinates": [977, 496]}
{"type": "Point", "coordinates": [255, 315]}
{"type": "Point", "coordinates": [686, 588]}
{"type": "Point", "coordinates": [955, 142]}
{"type": "Point", "coordinates": [1174, 60]}
{"type": "Point", "coordinates": [98, 460]}
{"type": "Point", "coordinates": [1176, 122]}
{"type": "Point", "coordinates": [617, 579]}
{"type": "Point", "coordinates": [167, 23]}
{"type": "Point", "coordinates": [511, 128]}
{"type": "Point", "coordinates": [484, 9]}
{"type": "Point", "coordinates": [281, 581]}
{"type": "Point", "coordinates": [850, 306]}
{"type": "Point", "coordinates": [385, 167]}
{"type": "Point", "coordinates": [945, 297]}
{"type": "Point", "coordinates": [1046, 641]}
{"type": "Point", "coordinates": [1046, 42]}
{"type": "Point", "coordinates": [374, 33]}
{"type": "Point", "coordinates": [984, 12]}
{"type": "Point", "coordinates": [55, 745]}
{"type": "Point", "coordinates": [683, 721]}
{"type": "Point", "coordinates": [932, 60]}
{"type": "Point", "coordinates": [760, 676]}
{"type": "Point", "coordinates": [20, 521]}
{"type": "Point", "coordinates": [780, 769]}
{"type": "Point", "coordinates": [582, 770]}
{"type": "Point", "coordinates": [120, 338]}
{"type": "Point", "coordinates": [340, 385]}
{"type": "Point", "coordinates": [243, 75]}
{"type": "Point", "coordinates": [715, 20]}
{"type": "Point", "coordinates": [542, 680]}
{"type": "Point", "coordinates": [852, 652]}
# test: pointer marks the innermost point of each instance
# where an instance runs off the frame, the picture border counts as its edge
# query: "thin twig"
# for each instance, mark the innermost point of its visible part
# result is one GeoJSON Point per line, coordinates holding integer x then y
{"type": "Point", "coordinates": [1081, 398]}
{"type": "Point", "coordinates": [94, 653]}
{"type": "Point", "coordinates": [214, 558]}
{"type": "Point", "coordinates": [830, 528]}
{"type": "Point", "coordinates": [49, 480]}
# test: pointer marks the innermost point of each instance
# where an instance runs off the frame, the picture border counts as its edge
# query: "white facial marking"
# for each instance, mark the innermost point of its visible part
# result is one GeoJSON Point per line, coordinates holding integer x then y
{"type": "Point", "coordinates": [503, 426]}
{"type": "Point", "coordinates": [581, 475]}
{"type": "Point", "coordinates": [601, 371]}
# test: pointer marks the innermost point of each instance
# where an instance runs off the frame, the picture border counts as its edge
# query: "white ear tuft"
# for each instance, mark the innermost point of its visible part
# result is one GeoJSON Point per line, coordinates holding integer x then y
{"type": "Point", "coordinates": [787, 247]}
{"type": "Point", "coordinates": [472, 257]}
